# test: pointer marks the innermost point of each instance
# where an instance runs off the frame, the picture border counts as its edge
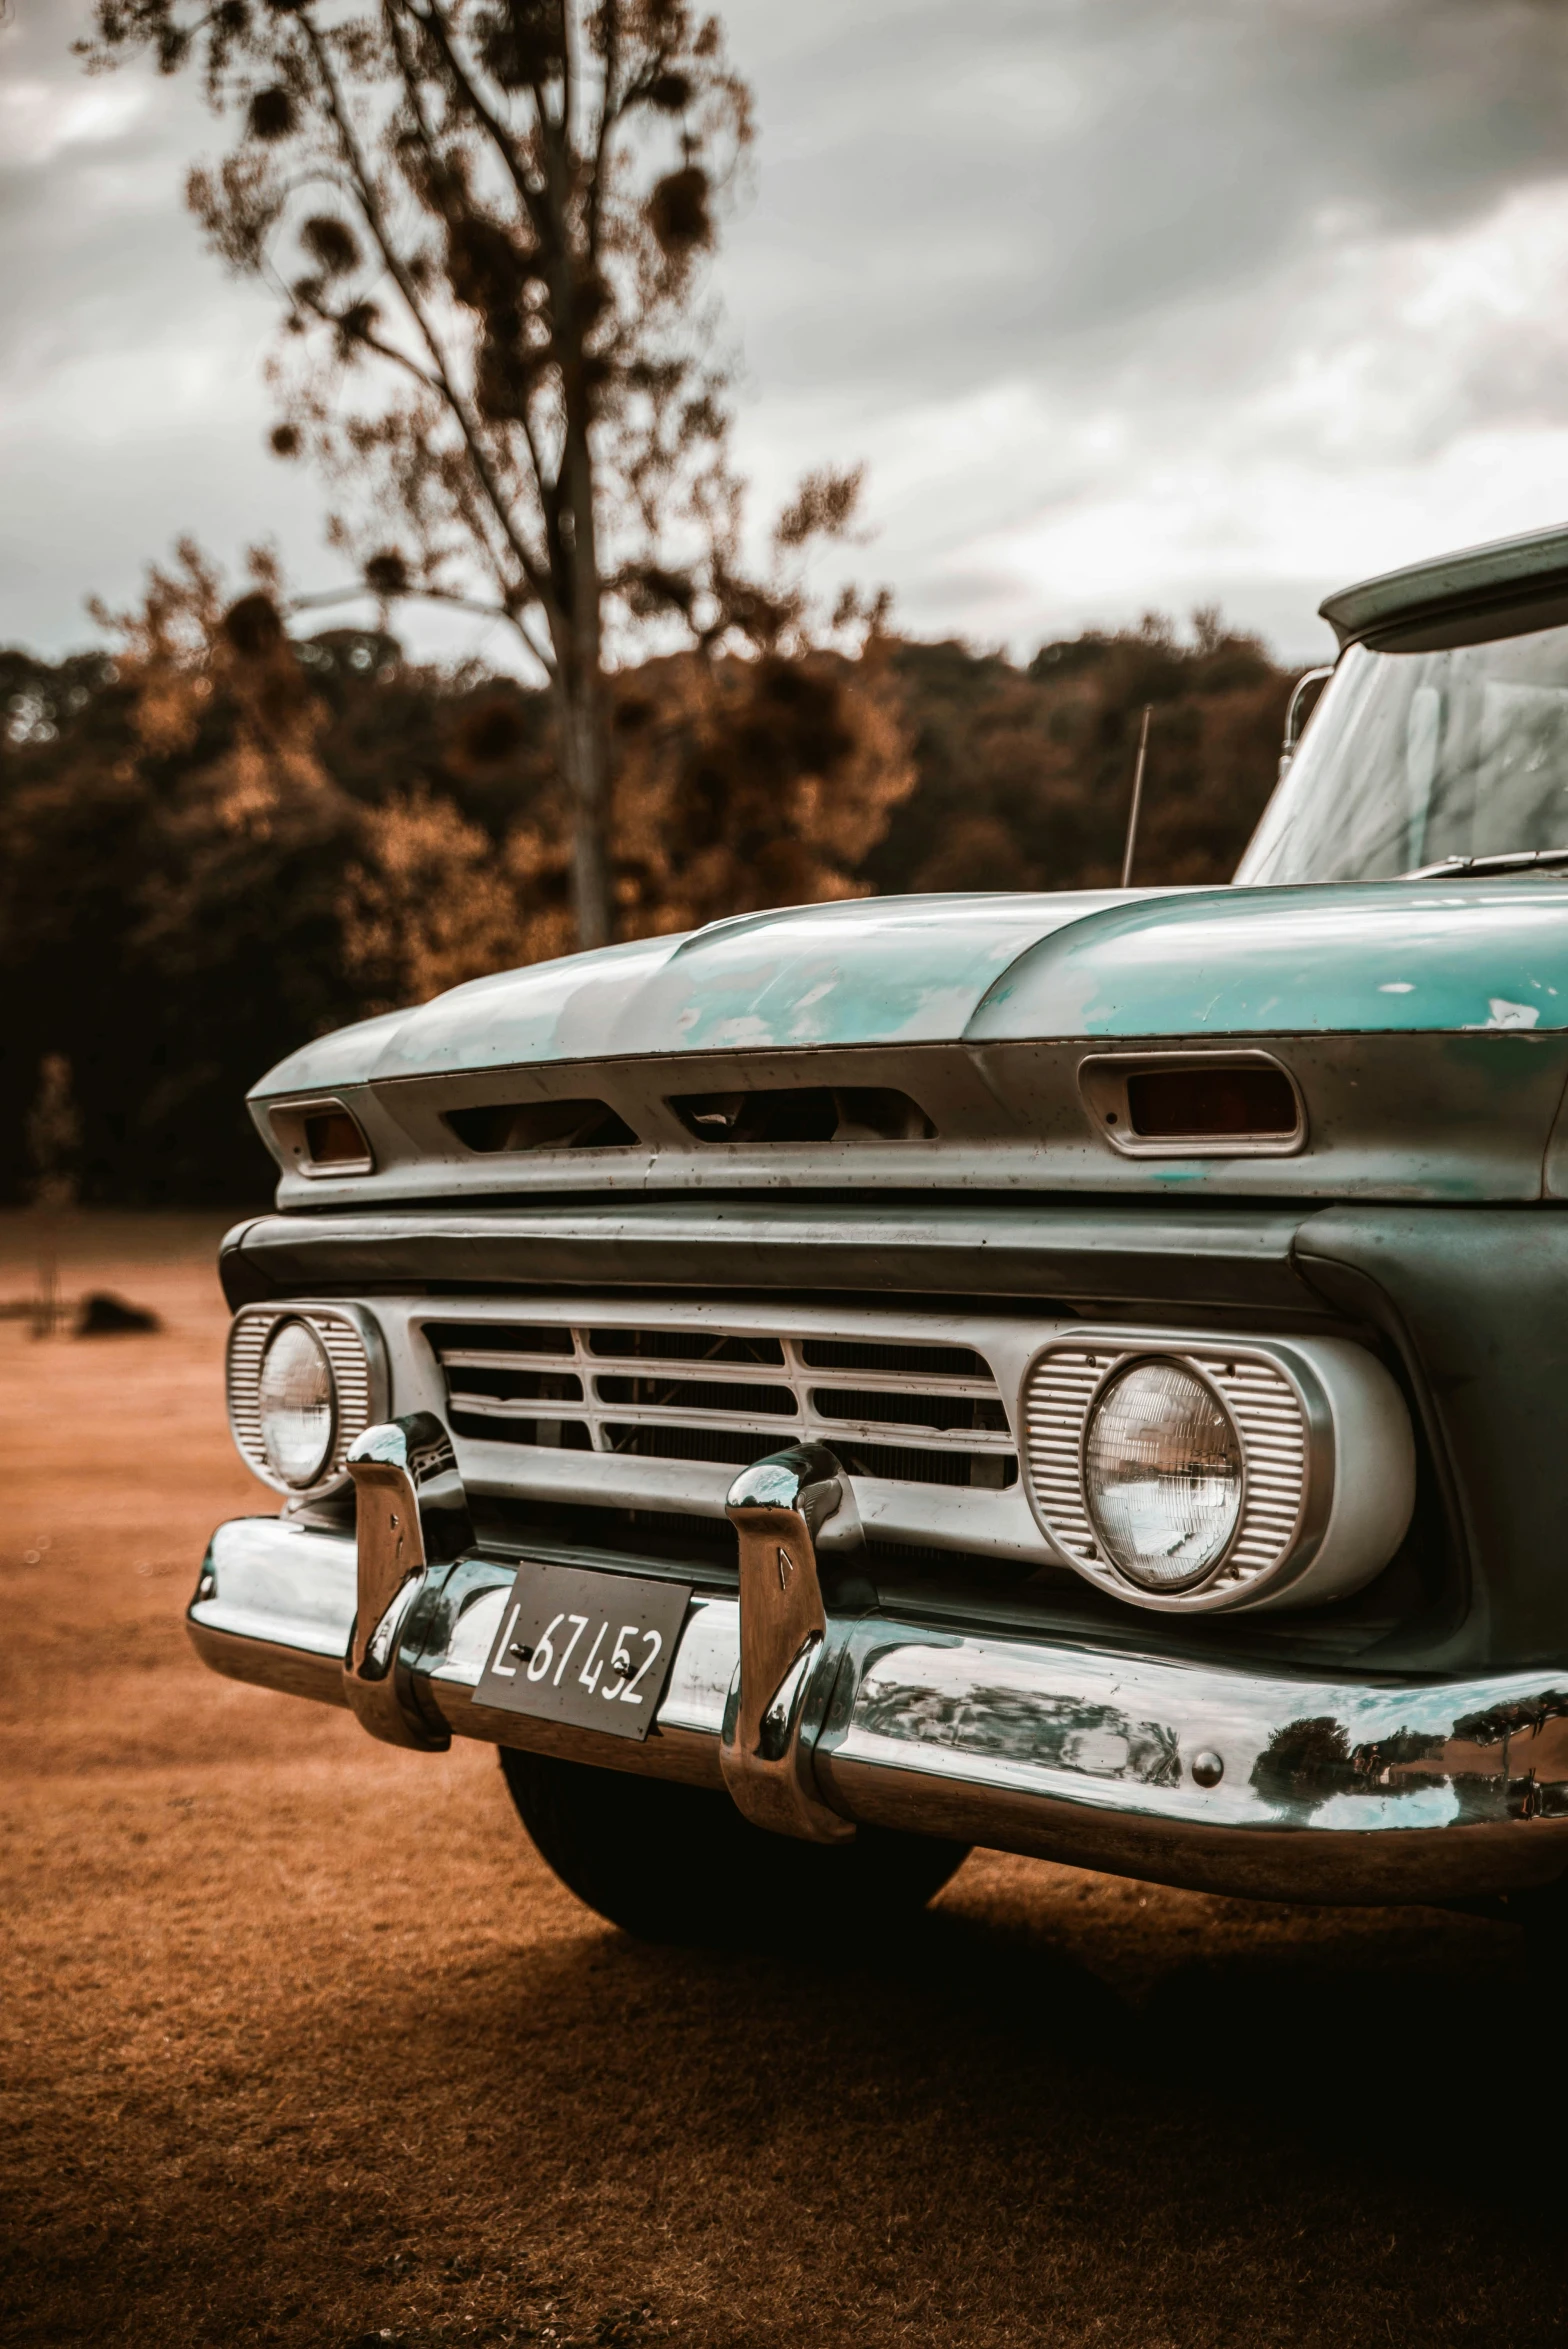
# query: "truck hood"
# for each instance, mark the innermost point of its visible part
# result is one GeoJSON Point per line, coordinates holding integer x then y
{"type": "Point", "coordinates": [1369, 958]}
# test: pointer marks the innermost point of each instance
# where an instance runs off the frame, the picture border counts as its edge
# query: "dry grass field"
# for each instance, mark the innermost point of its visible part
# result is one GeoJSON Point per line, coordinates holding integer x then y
{"type": "Point", "coordinates": [302, 2044]}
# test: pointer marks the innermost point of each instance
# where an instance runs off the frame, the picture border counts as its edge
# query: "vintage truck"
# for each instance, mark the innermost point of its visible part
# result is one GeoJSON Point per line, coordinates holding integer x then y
{"type": "Point", "coordinates": [1085, 1374]}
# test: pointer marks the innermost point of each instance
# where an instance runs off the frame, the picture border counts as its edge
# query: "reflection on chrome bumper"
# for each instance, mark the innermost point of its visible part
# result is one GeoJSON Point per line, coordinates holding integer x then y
{"type": "Point", "coordinates": [1222, 1779]}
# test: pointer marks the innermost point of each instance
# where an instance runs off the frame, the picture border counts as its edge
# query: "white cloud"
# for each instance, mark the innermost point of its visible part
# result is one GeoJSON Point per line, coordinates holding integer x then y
{"type": "Point", "coordinates": [39, 119]}
{"type": "Point", "coordinates": [1125, 305]}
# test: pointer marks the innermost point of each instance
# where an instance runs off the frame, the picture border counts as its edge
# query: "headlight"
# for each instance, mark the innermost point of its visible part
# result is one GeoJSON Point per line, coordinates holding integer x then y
{"type": "Point", "coordinates": [1189, 1471]}
{"type": "Point", "coordinates": [296, 1404]}
{"type": "Point", "coordinates": [1162, 1475]}
{"type": "Point", "coordinates": [304, 1380]}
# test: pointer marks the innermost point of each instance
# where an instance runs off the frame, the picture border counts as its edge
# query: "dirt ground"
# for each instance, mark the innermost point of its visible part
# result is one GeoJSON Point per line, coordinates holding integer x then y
{"type": "Point", "coordinates": [303, 2045]}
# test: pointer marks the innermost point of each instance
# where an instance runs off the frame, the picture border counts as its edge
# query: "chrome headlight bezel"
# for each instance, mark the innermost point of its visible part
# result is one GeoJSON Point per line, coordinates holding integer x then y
{"type": "Point", "coordinates": [352, 1343]}
{"type": "Point", "coordinates": [1327, 1452]}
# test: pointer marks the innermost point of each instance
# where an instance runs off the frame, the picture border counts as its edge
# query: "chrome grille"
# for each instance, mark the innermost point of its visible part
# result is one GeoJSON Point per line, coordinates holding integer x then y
{"type": "Point", "coordinates": [352, 1376]}
{"type": "Point", "coordinates": [1268, 1415]}
{"type": "Point", "coordinates": [902, 1412]}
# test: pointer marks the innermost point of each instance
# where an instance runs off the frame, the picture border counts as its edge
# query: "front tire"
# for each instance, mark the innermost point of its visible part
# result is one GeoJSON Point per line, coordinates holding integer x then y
{"type": "Point", "coordinates": [675, 1863]}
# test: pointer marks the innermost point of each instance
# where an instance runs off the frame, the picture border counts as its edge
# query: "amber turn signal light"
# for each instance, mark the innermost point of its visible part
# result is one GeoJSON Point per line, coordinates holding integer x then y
{"type": "Point", "coordinates": [319, 1138]}
{"type": "Point", "coordinates": [333, 1139]}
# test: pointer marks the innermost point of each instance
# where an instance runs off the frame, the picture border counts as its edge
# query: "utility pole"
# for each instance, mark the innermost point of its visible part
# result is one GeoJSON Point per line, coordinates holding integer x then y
{"type": "Point", "coordinates": [1131, 849]}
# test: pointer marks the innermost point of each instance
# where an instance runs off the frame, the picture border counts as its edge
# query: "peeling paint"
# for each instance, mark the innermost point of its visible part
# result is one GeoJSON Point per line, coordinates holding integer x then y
{"type": "Point", "coordinates": [983, 970]}
{"type": "Point", "coordinates": [1511, 1015]}
{"type": "Point", "coordinates": [1292, 961]}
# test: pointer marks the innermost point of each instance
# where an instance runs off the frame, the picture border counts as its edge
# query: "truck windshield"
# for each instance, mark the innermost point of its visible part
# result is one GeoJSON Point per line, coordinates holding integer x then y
{"type": "Point", "coordinates": [1412, 757]}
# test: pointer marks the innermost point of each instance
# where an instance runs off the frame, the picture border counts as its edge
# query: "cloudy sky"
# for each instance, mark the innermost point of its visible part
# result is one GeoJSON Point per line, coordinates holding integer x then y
{"type": "Point", "coordinates": [1126, 303]}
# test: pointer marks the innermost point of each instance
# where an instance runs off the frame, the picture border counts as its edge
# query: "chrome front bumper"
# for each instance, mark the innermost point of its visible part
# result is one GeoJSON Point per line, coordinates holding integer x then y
{"type": "Point", "coordinates": [1223, 1780]}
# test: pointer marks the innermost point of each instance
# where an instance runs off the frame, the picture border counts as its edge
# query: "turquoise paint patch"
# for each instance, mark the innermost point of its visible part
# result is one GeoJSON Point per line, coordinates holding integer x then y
{"type": "Point", "coordinates": [563, 1010]}
{"type": "Point", "coordinates": [898, 971]}
{"type": "Point", "coordinates": [1381, 957]}
{"type": "Point", "coordinates": [879, 971]}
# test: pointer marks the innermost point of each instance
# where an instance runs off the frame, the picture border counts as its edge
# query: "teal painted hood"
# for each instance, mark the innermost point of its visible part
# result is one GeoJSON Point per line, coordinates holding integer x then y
{"type": "Point", "coordinates": [1342, 958]}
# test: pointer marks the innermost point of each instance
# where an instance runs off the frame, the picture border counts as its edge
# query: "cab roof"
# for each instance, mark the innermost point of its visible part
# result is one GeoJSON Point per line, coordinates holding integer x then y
{"type": "Point", "coordinates": [1499, 589]}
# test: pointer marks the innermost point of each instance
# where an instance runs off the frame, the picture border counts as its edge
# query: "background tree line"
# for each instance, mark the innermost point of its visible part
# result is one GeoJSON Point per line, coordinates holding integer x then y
{"type": "Point", "coordinates": [218, 838]}
{"type": "Point", "coordinates": [485, 225]}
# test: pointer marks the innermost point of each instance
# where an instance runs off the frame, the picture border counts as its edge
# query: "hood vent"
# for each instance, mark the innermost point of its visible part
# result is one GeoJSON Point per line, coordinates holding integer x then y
{"type": "Point", "coordinates": [1192, 1104]}
{"type": "Point", "coordinates": [541, 1125]}
{"type": "Point", "coordinates": [1195, 1105]}
{"type": "Point", "coordinates": [805, 1113]}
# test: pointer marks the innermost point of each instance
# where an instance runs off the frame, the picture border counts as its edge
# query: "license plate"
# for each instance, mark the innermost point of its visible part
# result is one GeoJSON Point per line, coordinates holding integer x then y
{"type": "Point", "coordinates": [591, 1649]}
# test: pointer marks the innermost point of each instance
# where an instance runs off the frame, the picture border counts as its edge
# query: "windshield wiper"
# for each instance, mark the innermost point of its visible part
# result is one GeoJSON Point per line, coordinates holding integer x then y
{"type": "Point", "coordinates": [1508, 860]}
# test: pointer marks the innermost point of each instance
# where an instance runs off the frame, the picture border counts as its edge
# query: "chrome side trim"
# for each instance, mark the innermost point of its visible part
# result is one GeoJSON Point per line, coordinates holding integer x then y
{"type": "Point", "coordinates": [787, 1661]}
{"type": "Point", "coordinates": [1223, 1779]}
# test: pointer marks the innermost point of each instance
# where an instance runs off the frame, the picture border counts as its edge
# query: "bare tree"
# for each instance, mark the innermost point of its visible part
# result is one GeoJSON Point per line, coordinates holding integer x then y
{"type": "Point", "coordinates": [483, 220]}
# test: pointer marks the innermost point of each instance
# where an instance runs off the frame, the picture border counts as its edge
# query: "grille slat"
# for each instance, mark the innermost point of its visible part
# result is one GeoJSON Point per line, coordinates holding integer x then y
{"type": "Point", "coordinates": [681, 1345]}
{"type": "Point", "coordinates": [506, 1406]}
{"type": "Point", "coordinates": [902, 1412]}
{"type": "Point", "coordinates": [914, 1407]}
{"type": "Point", "coordinates": [701, 1398]}
{"type": "Point", "coordinates": [917, 1439]}
{"type": "Point", "coordinates": [671, 1440]}
{"type": "Point", "coordinates": [493, 1358]}
{"type": "Point", "coordinates": [904, 1361]}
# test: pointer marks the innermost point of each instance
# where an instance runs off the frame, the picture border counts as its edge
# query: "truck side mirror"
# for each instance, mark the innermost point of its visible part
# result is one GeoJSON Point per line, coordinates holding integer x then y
{"type": "Point", "coordinates": [1298, 711]}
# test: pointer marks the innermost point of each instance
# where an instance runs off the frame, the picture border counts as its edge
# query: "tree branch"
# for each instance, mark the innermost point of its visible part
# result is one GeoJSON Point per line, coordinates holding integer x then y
{"type": "Point", "coordinates": [375, 220]}
{"type": "Point", "coordinates": [543, 484]}
{"type": "Point", "coordinates": [610, 17]}
{"type": "Point", "coordinates": [434, 25]}
{"type": "Point", "coordinates": [437, 595]}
